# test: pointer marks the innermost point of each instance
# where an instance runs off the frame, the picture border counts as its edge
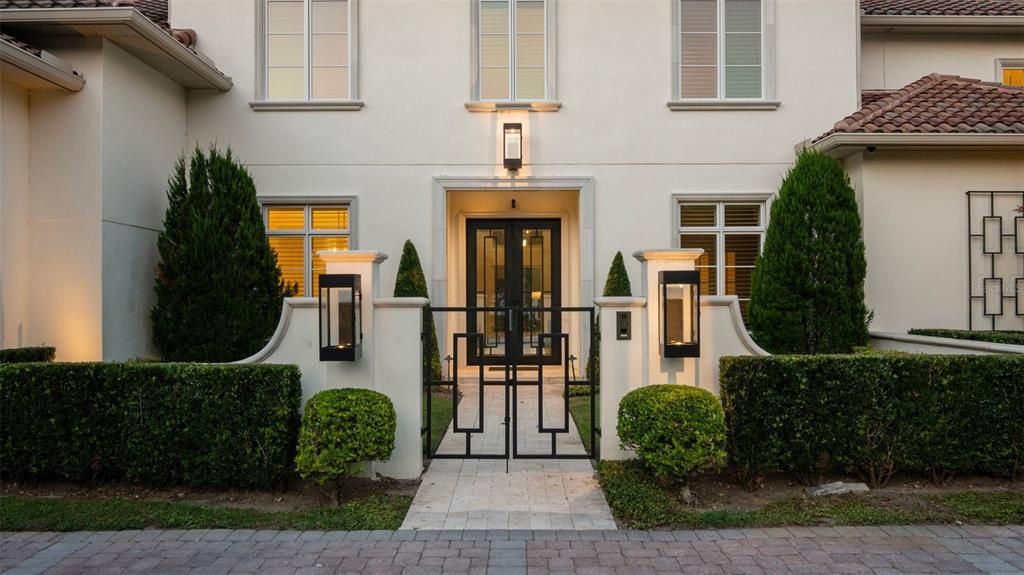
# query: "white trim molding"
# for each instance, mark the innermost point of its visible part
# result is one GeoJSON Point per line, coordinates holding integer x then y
{"type": "Point", "coordinates": [722, 105]}
{"type": "Point", "coordinates": [131, 31]}
{"type": "Point", "coordinates": [33, 72]}
{"type": "Point", "coordinates": [350, 104]}
{"type": "Point", "coordinates": [550, 101]}
{"type": "Point", "coordinates": [841, 145]}
{"type": "Point", "coordinates": [950, 24]}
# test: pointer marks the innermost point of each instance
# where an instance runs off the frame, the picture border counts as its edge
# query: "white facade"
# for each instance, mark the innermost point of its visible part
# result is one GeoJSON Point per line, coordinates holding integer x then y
{"type": "Point", "coordinates": [609, 153]}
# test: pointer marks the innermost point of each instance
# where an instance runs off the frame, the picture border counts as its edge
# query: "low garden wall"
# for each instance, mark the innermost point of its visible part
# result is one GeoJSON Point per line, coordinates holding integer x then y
{"type": "Point", "coordinates": [874, 414]}
{"type": "Point", "coordinates": [192, 424]}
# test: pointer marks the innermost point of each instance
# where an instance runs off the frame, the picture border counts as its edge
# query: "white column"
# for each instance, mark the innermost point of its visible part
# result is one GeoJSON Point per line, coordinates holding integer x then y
{"type": "Point", "coordinates": [398, 356]}
{"type": "Point", "coordinates": [622, 365]}
{"type": "Point", "coordinates": [366, 264]}
{"type": "Point", "coordinates": [660, 370]}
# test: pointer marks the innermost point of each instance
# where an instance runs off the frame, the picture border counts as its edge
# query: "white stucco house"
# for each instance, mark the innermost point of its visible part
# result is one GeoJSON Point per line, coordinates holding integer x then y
{"type": "Point", "coordinates": [644, 124]}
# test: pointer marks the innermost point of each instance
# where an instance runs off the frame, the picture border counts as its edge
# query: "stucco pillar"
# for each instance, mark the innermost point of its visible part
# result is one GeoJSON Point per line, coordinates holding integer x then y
{"type": "Point", "coordinates": [398, 360]}
{"type": "Point", "coordinates": [366, 264]}
{"type": "Point", "coordinates": [660, 370]}
{"type": "Point", "coordinates": [622, 365]}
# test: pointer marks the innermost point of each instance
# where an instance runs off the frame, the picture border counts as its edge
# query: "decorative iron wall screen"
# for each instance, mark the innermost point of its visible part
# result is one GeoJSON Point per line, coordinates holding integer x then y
{"type": "Point", "coordinates": [995, 224]}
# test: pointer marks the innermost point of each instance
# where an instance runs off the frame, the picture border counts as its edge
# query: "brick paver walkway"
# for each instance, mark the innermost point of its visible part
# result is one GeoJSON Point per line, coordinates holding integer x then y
{"type": "Point", "coordinates": [875, 550]}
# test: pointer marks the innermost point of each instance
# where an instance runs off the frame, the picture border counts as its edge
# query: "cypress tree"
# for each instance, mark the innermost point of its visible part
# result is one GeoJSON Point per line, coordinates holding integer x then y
{"type": "Point", "coordinates": [218, 287]}
{"type": "Point", "coordinates": [412, 283]}
{"type": "Point", "coordinates": [617, 284]}
{"type": "Point", "coordinates": [808, 285]}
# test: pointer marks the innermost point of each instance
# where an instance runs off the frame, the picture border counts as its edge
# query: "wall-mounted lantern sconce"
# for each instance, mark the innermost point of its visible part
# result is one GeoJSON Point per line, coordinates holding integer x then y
{"type": "Point", "coordinates": [341, 329]}
{"type": "Point", "coordinates": [680, 313]}
{"type": "Point", "coordinates": [513, 147]}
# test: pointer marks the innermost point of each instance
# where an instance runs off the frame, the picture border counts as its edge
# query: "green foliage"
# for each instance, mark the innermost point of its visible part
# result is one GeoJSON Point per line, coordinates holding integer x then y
{"type": "Point", "coordinates": [1007, 337]}
{"type": "Point", "coordinates": [412, 283]}
{"type": "Point", "coordinates": [27, 354]}
{"type": "Point", "coordinates": [676, 430]}
{"type": "Point", "coordinates": [218, 287]}
{"type": "Point", "coordinates": [160, 424]}
{"type": "Point", "coordinates": [617, 284]}
{"type": "Point", "coordinates": [341, 428]}
{"type": "Point", "coordinates": [377, 511]}
{"type": "Point", "coordinates": [874, 414]}
{"type": "Point", "coordinates": [808, 286]}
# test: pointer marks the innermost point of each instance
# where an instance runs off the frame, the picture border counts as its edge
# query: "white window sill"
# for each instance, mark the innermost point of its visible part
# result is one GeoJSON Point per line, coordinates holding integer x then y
{"type": "Point", "coordinates": [306, 105]}
{"type": "Point", "coordinates": [721, 105]}
{"type": "Point", "coordinates": [546, 106]}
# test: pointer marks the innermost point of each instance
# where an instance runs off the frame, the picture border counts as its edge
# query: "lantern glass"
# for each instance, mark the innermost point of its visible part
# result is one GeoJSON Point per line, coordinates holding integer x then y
{"type": "Point", "coordinates": [680, 309]}
{"type": "Point", "coordinates": [513, 146]}
{"type": "Point", "coordinates": [340, 317]}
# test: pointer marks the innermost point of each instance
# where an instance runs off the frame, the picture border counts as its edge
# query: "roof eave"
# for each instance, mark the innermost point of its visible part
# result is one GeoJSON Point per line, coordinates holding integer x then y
{"type": "Point", "coordinates": [161, 50]}
{"type": "Point", "coordinates": [952, 24]}
{"type": "Point", "coordinates": [841, 145]}
{"type": "Point", "coordinates": [44, 71]}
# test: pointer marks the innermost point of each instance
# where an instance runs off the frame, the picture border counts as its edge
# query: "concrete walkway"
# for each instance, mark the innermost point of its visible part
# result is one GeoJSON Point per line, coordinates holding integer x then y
{"type": "Point", "coordinates": [533, 493]}
{"type": "Point", "coordinates": [874, 550]}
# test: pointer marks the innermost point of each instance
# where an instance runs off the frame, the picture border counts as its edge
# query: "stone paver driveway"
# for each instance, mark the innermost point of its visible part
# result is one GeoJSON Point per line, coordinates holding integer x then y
{"type": "Point", "coordinates": [875, 550]}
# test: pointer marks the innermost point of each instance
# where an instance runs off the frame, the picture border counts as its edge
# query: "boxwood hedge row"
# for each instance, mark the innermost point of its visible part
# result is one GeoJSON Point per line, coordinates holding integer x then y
{"type": "Point", "coordinates": [27, 354]}
{"type": "Point", "coordinates": [1009, 337]}
{"type": "Point", "coordinates": [874, 414]}
{"type": "Point", "coordinates": [161, 424]}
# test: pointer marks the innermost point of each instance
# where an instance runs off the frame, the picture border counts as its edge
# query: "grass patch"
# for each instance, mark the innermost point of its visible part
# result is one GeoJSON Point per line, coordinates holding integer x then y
{"type": "Point", "coordinates": [18, 513]}
{"type": "Point", "coordinates": [579, 408]}
{"type": "Point", "coordinates": [638, 502]}
{"type": "Point", "coordinates": [440, 417]}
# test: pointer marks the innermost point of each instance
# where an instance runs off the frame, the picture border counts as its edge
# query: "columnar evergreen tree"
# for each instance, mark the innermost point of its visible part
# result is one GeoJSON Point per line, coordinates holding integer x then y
{"type": "Point", "coordinates": [412, 283]}
{"type": "Point", "coordinates": [218, 288]}
{"type": "Point", "coordinates": [616, 285]}
{"type": "Point", "coordinates": [808, 286]}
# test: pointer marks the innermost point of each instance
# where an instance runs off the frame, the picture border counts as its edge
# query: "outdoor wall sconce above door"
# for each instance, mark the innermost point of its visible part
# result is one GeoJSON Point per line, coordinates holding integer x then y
{"type": "Point", "coordinates": [680, 313]}
{"type": "Point", "coordinates": [341, 329]}
{"type": "Point", "coordinates": [513, 140]}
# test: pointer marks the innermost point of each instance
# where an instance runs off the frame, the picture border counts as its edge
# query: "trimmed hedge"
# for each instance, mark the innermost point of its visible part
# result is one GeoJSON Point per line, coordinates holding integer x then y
{"type": "Point", "coordinates": [161, 424]}
{"type": "Point", "coordinates": [1010, 337]}
{"type": "Point", "coordinates": [676, 430]}
{"type": "Point", "coordinates": [874, 414]}
{"type": "Point", "coordinates": [27, 354]}
{"type": "Point", "coordinates": [343, 428]}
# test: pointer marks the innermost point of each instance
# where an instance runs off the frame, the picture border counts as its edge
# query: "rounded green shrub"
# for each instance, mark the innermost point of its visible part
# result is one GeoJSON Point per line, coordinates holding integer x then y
{"type": "Point", "coordinates": [341, 428]}
{"type": "Point", "coordinates": [676, 430]}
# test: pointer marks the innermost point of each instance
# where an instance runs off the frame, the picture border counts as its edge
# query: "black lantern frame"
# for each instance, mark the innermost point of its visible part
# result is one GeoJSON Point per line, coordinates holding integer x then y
{"type": "Point", "coordinates": [679, 293]}
{"type": "Point", "coordinates": [341, 324]}
{"type": "Point", "coordinates": [512, 146]}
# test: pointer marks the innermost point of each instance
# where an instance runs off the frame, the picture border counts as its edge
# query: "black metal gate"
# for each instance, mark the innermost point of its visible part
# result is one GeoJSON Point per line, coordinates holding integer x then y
{"type": "Point", "coordinates": [463, 421]}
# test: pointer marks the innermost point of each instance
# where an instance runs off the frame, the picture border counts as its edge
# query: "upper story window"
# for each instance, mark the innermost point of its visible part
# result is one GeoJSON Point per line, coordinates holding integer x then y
{"type": "Point", "coordinates": [1010, 72]}
{"type": "Point", "coordinates": [721, 50]}
{"type": "Point", "coordinates": [308, 51]}
{"type": "Point", "coordinates": [513, 53]}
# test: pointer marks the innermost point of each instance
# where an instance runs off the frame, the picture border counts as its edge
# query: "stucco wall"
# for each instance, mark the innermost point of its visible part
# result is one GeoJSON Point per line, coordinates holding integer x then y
{"type": "Point", "coordinates": [136, 166]}
{"type": "Point", "coordinates": [14, 216]}
{"type": "Point", "coordinates": [890, 61]}
{"type": "Point", "coordinates": [614, 66]}
{"type": "Point", "coordinates": [914, 208]}
{"type": "Point", "coordinates": [65, 307]}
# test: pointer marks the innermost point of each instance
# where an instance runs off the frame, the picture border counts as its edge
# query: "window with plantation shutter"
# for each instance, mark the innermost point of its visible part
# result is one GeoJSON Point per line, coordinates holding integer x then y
{"type": "Point", "coordinates": [512, 50]}
{"type": "Point", "coordinates": [298, 232]}
{"type": "Point", "coordinates": [731, 234]}
{"type": "Point", "coordinates": [307, 50]}
{"type": "Point", "coordinates": [721, 50]}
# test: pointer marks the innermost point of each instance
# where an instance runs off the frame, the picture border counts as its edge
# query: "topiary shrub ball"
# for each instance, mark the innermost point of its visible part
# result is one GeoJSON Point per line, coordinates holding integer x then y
{"type": "Point", "coordinates": [676, 430]}
{"type": "Point", "coordinates": [341, 428]}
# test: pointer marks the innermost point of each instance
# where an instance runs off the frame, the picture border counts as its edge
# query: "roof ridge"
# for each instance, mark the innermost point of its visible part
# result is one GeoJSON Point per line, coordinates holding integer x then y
{"type": "Point", "coordinates": [888, 102]}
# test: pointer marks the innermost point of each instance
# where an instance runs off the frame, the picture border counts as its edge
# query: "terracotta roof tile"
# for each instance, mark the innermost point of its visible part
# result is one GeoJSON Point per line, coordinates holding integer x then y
{"type": "Point", "coordinates": [155, 10]}
{"type": "Point", "coordinates": [21, 45]}
{"type": "Point", "coordinates": [940, 104]}
{"type": "Point", "coordinates": [942, 7]}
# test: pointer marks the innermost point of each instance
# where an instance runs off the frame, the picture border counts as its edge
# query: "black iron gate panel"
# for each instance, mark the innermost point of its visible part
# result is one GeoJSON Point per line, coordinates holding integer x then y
{"type": "Point", "coordinates": [492, 426]}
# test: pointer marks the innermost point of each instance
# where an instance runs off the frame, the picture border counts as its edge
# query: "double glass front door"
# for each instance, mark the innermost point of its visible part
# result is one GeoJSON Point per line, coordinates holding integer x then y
{"type": "Point", "coordinates": [512, 268]}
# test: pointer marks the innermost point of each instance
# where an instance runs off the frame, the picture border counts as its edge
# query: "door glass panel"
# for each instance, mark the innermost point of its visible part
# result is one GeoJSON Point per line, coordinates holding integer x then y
{"type": "Point", "coordinates": [490, 288]}
{"type": "Point", "coordinates": [537, 289]}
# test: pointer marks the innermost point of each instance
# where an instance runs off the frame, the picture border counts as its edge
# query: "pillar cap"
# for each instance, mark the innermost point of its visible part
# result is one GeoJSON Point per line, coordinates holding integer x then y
{"type": "Point", "coordinates": [673, 255]}
{"type": "Point", "coordinates": [620, 301]}
{"type": "Point", "coordinates": [352, 256]}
